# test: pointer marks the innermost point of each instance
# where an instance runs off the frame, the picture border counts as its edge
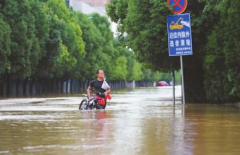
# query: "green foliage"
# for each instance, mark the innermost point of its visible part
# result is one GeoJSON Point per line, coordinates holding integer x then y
{"type": "Point", "coordinates": [4, 46]}
{"type": "Point", "coordinates": [134, 71]}
{"type": "Point", "coordinates": [39, 11]}
{"type": "Point", "coordinates": [178, 77]}
{"type": "Point", "coordinates": [222, 56]}
{"type": "Point", "coordinates": [117, 10]}
{"type": "Point", "coordinates": [120, 68]}
{"type": "Point", "coordinates": [69, 43]}
{"type": "Point", "coordinates": [45, 39]}
{"type": "Point", "coordinates": [144, 23]}
{"type": "Point", "coordinates": [106, 53]}
{"type": "Point", "coordinates": [87, 64]}
{"type": "Point", "coordinates": [17, 15]}
{"type": "Point", "coordinates": [212, 73]}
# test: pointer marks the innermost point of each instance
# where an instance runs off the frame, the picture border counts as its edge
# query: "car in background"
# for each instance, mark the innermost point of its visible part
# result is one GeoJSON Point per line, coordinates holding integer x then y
{"type": "Point", "coordinates": [162, 83]}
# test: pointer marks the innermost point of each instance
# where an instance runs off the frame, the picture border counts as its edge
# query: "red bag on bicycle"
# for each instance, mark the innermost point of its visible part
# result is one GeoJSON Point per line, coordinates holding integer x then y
{"type": "Point", "coordinates": [101, 101]}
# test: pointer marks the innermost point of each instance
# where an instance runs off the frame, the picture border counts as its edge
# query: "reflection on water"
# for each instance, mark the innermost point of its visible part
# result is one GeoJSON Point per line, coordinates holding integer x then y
{"type": "Point", "coordinates": [141, 121]}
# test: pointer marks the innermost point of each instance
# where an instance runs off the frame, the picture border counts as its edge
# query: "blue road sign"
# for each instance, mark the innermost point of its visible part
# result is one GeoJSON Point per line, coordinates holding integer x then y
{"type": "Point", "coordinates": [179, 35]}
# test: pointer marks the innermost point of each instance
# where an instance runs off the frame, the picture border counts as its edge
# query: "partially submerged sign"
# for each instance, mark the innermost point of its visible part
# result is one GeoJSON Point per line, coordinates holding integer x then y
{"type": "Point", "coordinates": [179, 35]}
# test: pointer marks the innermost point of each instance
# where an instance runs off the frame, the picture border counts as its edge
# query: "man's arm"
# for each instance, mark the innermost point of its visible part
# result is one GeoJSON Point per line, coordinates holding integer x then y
{"type": "Point", "coordinates": [108, 91]}
{"type": "Point", "coordinates": [89, 91]}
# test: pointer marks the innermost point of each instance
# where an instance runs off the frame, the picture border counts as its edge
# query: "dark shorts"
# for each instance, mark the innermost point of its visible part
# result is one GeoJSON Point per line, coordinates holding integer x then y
{"type": "Point", "coordinates": [97, 106]}
{"type": "Point", "coordinates": [100, 106]}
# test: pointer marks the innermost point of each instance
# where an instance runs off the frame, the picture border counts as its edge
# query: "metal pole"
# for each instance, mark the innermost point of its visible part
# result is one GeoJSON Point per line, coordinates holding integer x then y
{"type": "Point", "coordinates": [183, 91]}
{"type": "Point", "coordinates": [173, 83]}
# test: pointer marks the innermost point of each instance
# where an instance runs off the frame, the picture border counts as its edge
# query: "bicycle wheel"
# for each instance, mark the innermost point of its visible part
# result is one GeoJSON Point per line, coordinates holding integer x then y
{"type": "Point", "coordinates": [83, 105]}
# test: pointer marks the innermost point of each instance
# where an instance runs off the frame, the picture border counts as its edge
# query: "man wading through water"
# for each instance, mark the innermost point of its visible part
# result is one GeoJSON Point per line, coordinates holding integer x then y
{"type": "Point", "coordinates": [101, 89]}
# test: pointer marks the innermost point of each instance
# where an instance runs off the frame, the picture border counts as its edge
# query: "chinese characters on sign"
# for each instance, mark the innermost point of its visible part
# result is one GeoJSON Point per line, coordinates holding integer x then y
{"type": "Point", "coordinates": [179, 35]}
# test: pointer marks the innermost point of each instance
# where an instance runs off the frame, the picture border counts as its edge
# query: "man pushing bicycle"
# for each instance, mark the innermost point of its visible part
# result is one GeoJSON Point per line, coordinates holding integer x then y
{"type": "Point", "coordinates": [101, 89]}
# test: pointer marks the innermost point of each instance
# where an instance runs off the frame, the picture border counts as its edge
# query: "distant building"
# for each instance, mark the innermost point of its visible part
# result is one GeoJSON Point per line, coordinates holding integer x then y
{"type": "Point", "coordinates": [85, 8]}
{"type": "Point", "coordinates": [92, 6]}
{"type": "Point", "coordinates": [95, 3]}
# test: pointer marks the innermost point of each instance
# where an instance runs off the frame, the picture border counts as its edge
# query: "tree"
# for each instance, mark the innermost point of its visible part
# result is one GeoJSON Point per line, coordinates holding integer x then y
{"type": "Point", "coordinates": [134, 70]}
{"type": "Point", "coordinates": [44, 40]}
{"type": "Point", "coordinates": [222, 55]}
{"type": "Point", "coordinates": [145, 24]}
{"type": "Point", "coordinates": [18, 16]}
{"type": "Point", "coordinates": [117, 11]}
{"type": "Point", "coordinates": [64, 45]}
{"type": "Point", "coordinates": [108, 53]}
{"type": "Point", "coordinates": [93, 41]}
{"type": "Point", "coordinates": [4, 46]}
{"type": "Point", "coordinates": [39, 11]}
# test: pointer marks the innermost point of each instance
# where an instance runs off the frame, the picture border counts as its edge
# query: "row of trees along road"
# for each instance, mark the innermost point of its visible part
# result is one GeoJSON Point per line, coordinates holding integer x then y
{"type": "Point", "coordinates": [212, 74]}
{"type": "Point", "coordinates": [44, 40]}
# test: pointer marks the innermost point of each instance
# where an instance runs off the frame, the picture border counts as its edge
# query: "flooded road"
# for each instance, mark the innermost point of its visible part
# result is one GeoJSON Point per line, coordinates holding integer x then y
{"type": "Point", "coordinates": [141, 121]}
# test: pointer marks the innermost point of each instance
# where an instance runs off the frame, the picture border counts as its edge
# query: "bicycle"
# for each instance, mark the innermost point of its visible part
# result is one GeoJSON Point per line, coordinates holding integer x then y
{"type": "Point", "coordinates": [87, 104]}
{"type": "Point", "coordinates": [95, 102]}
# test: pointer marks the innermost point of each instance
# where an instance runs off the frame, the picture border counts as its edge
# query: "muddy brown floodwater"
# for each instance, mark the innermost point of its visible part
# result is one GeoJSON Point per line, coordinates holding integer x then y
{"type": "Point", "coordinates": [135, 122]}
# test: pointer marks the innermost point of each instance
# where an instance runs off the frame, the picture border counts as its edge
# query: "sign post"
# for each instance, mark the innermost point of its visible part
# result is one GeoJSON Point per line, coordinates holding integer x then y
{"type": "Point", "coordinates": [173, 84]}
{"type": "Point", "coordinates": [180, 38]}
{"type": "Point", "coordinates": [183, 90]}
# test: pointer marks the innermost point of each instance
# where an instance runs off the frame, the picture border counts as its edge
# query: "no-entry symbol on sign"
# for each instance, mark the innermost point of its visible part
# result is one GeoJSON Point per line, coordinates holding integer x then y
{"type": "Point", "coordinates": [178, 6]}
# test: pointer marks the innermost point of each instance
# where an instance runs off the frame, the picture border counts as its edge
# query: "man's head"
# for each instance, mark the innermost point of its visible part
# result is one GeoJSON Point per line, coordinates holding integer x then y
{"type": "Point", "coordinates": [100, 74]}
